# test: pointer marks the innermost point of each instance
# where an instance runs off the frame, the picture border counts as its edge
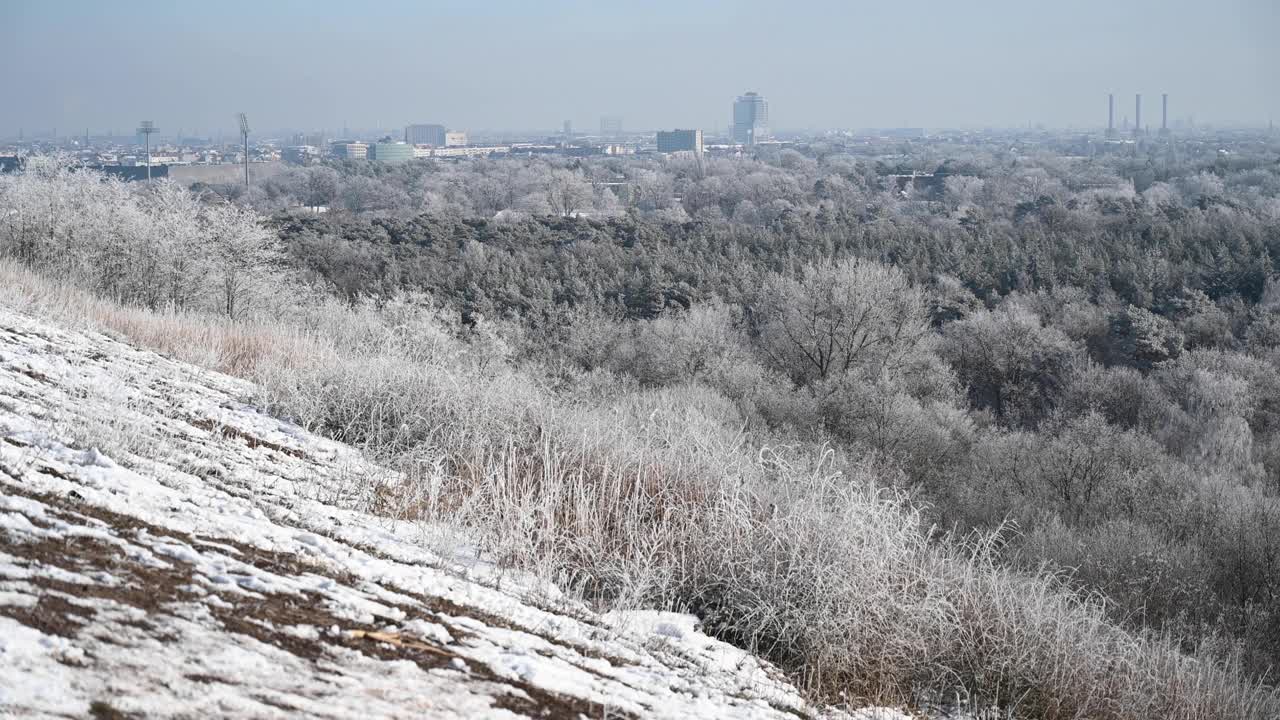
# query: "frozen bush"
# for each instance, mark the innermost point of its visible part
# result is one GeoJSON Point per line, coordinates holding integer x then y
{"type": "Point", "coordinates": [1010, 364]}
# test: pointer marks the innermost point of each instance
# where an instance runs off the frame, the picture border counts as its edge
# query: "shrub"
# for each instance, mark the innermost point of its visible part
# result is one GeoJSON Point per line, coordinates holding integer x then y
{"type": "Point", "coordinates": [1010, 364]}
{"type": "Point", "coordinates": [1122, 395]}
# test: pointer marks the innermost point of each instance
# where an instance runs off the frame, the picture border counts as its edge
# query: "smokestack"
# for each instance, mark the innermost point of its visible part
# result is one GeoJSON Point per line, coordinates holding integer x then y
{"type": "Point", "coordinates": [1111, 114]}
{"type": "Point", "coordinates": [1164, 113]}
{"type": "Point", "coordinates": [1137, 114]}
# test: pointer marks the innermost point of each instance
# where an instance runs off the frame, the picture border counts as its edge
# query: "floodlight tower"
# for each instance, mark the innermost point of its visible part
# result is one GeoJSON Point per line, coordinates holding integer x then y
{"type": "Point", "coordinates": [244, 137]}
{"type": "Point", "coordinates": [146, 129]}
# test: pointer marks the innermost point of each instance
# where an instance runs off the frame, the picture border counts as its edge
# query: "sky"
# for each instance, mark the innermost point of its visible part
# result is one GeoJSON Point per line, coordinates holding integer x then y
{"type": "Point", "coordinates": [510, 64]}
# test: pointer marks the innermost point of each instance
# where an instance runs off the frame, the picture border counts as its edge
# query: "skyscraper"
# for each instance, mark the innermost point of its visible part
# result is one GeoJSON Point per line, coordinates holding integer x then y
{"type": "Point", "coordinates": [750, 119]}
{"type": "Point", "coordinates": [610, 126]}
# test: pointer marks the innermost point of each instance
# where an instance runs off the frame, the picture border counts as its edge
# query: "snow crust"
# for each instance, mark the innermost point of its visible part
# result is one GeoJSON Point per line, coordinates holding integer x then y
{"type": "Point", "coordinates": [168, 550]}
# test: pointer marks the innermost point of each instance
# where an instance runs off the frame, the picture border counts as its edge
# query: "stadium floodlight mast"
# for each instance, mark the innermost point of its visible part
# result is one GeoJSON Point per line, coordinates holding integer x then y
{"type": "Point", "coordinates": [146, 129]}
{"type": "Point", "coordinates": [244, 137]}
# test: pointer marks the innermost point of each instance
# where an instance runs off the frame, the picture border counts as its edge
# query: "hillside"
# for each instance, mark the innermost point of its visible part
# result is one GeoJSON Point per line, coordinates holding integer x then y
{"type": "Point", "coordinates": [169, 550]}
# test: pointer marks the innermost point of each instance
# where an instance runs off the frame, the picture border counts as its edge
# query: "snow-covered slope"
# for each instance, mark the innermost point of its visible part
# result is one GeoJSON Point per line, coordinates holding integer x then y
{"type": "Point", "coordinates": [167, 550]}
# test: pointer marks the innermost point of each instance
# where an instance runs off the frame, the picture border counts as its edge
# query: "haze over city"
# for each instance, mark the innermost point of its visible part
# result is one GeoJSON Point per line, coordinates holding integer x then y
{"type": "Point", "coordinates": [516, 65]}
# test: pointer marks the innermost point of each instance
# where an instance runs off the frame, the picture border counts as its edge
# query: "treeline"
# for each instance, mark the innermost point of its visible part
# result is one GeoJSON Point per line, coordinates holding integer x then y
{"type": "Point", "coordinates": [1143, 257]}
{"type": "Point", "coordinates": [996, 222]}
{"type": "Point", "coordinates": [158, 246]}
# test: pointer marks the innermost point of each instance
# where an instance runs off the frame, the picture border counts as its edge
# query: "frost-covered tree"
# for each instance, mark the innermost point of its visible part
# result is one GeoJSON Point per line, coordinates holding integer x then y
{"type": "Point", "coordinates": [854, 316]}
{"type": "Point", "coordinates": [242, 254]}
{"type": "Point", "coordinates": [567, 193]}
{"type": "Point", "coordinates": [181, 254]}
{"type": "Point", "coordinates": [1141, 338]}
{"type": "Point", "coordinates": [1010, 363]}
{"type": "Point", "coordinates": [321, 187]}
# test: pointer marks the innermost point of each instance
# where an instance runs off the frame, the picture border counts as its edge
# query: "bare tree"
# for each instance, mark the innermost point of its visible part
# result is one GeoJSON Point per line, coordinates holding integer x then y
{"type": "Point", "coordinates": [321, 187]}
{"type": "Point", "coordinates": [243, 251]}
{"type": "Point", "coordinates": [567, 193]}
{"type": "Point", "coordinates": [842, 317]}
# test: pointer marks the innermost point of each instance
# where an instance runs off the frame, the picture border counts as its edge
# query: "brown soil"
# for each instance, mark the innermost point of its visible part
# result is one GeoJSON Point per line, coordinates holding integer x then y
{"type": "Point", "coordinates": [236, 433]}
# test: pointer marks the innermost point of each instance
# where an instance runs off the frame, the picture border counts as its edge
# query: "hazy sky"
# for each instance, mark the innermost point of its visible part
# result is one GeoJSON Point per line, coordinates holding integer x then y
{"type": "Point", "coordinates": [532, 64]}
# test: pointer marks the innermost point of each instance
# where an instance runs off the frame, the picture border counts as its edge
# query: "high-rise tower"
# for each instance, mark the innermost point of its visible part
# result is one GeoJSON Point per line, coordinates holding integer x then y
{"type": "Point", "coordinates": [750, 119]}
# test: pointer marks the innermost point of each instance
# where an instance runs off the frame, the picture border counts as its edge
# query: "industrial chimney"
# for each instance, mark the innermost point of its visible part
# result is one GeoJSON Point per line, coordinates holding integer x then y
{"type": "Point", "coordinates": [1164, 113]}
{"type": "Point", "coordinates": [1111, 114]}
{"type": "Point", "coordinates": [1137, 114]}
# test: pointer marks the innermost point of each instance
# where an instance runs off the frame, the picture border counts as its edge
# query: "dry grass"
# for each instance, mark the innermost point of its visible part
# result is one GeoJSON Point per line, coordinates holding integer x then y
{"type": "Point", "coordinates": [653, 497]}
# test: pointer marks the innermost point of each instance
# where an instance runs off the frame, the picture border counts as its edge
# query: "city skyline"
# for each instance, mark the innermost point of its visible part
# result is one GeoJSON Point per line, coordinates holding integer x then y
{"type": "Point", "coordinates": [506, 65]}
{"type": "Point", "coordinates": [736, 130]}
